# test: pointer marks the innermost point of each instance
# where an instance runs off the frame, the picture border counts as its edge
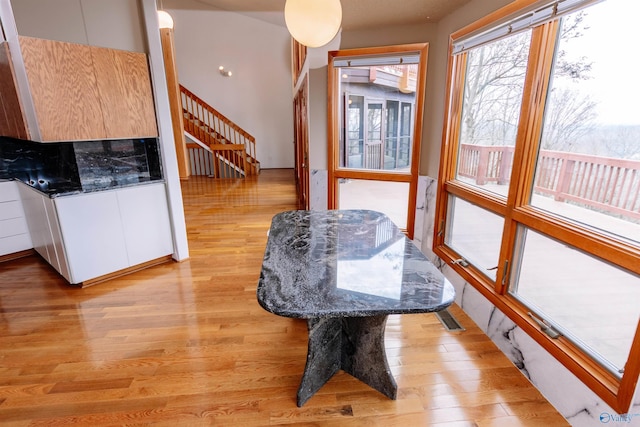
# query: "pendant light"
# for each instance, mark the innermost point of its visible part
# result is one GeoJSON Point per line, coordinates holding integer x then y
{"type": "Point", "coordinates": [313, 23]}
{"type": "Point", "coordinates": [164, 19]}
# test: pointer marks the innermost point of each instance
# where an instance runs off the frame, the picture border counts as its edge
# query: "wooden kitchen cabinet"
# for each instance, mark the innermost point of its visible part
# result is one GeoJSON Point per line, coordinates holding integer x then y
{"type": "Point", "coordinates": [93, 235]}
{"type": "Point", "coordinates": [145, 221]}
{"type": "Point", "coordinates": [88, 235]}
{"type": "Point", "coordinates": [82, 92]}
{"type": "Point", "coordinates": [14, 233]}
{"type": "Point", "coordinates": [12, 122]}
{"type": "Point", "coordinates": [125, 93]}
{"type": "Point", "coordinates": [113, 230]}
{"type": "Point", "coordinates": [44, 228]}
{"type": "Point", "coordinates": [64, 90]}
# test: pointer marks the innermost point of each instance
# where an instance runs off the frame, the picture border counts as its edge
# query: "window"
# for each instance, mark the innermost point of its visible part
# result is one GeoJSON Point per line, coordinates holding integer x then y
{"type": "Point", "coordinates": [376, 100]}
{"type": "Point", "coordinates": [491, 109]}
{"type": "Point", "coordinates": [538, 203]}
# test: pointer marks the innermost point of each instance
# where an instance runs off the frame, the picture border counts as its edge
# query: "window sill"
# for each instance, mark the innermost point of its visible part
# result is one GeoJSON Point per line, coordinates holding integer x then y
{"type": "Point", "coordinates": [615, 392]}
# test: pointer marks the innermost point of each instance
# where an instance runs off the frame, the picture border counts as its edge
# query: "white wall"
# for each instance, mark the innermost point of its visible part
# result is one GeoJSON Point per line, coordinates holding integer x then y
{"type": "Point", "coordinates": [258, 95]}
{"type": "Point", "coordinates": [114, 23]}
{"type": "Point", "coordinates": [318, 118]}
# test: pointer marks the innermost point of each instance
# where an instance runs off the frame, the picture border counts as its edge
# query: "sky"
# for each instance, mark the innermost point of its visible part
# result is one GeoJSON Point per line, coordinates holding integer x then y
{"type": "Point", "coordinates": [611, 43]}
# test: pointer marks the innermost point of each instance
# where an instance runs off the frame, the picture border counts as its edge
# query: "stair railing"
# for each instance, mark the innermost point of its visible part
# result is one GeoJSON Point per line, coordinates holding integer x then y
{"type": "Point", "coordinates": [212, 128]}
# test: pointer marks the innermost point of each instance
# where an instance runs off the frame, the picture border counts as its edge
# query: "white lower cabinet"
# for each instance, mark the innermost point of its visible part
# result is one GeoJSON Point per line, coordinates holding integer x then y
{"type": "Point", "coordinates": [14, 233]}
{"type": "Point", "coordinates": [36, 215]}
{"type": "Point", "coordinates": [56, 247]}
{"type": "Point", "coordinates": [145, 222]}
{"type": "Point", "coordinates": [93, 235]}
{"type": "Point", "coordinates": [85, 236]}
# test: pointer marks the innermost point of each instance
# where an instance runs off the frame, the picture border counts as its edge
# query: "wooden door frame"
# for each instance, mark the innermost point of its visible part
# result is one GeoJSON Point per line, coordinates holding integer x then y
{"type": "Point", "coordinates": [336, 172]}
{"type": "Point", "coordinates": [301, 143]}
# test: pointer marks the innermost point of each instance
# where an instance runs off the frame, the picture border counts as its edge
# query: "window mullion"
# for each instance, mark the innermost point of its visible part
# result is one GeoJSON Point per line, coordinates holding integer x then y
{"type": "Point", "coordinates": [539, 67]}
{"type": "Point", "coordinates": [614, 251]}
{"type": "Point", "coordinates": [543, 41]}
{"type": "Point", "coordinates": [451, 132]}
{"type": "Point", "coordinates": [631, 372]}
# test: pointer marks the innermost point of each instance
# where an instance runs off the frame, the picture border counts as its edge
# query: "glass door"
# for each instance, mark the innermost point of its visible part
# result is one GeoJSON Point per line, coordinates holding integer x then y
{"type": "Point", "coordinates": [375, 129]}
{"type": "Point", "coordinates": [373, 143]}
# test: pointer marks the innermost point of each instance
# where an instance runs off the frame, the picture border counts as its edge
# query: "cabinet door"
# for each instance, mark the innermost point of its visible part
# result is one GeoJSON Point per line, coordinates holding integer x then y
{"type": "Point", "coordinates": [9, 191]}
{"type": "Point", "coordinates": [125, 93]}
{"type": "Point", "coordinates": [145, 218]}
{"type": "Point", "coordinates": [93, 236]}
{"type": "Point", "coordinates": [57, 250]}
{"type": "Point", "coordinates": [43, 226]}
{"type": "Point", "coordinates": [14, 233]}
{"type": "Point", "coordinates": [37, 222]}
{"type": "Point", "coordinates": [64, 89]}
{"type": "Point", "coordinates": [12, 121]}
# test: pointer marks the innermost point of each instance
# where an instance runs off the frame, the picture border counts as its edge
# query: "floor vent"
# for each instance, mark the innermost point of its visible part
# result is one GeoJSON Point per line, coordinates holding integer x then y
{"type": "Point", "coordinates": [449, 322]}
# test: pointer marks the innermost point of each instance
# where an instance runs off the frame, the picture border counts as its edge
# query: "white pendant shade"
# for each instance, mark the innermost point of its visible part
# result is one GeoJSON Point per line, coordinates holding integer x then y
{"type": "Point", "coordinates": [313, 23]}
{"type": "Point", "coordinates": [164, 19]}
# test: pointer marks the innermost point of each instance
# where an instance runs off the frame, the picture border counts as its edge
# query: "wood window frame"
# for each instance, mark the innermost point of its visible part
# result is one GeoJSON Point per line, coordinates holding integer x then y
{"type": "Point", "coordinates": [616, 392]}
{"type": "Point", "coordinates": [335, 172]}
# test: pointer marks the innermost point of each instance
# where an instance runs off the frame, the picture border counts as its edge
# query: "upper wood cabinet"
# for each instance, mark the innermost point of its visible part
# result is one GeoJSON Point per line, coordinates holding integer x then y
{"type": "Point", "coordinates": [82, 92]}
{"type": "Point", "coordinates": [125, 93]}
{"type": "Point", "coordinates": [63, 87]}
{"type": "Point", "coordinates": [12, 121]}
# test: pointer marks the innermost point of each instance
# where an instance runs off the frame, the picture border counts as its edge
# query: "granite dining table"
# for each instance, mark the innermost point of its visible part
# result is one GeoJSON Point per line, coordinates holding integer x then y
{"type": "Point", "coordinates": [344, 272]}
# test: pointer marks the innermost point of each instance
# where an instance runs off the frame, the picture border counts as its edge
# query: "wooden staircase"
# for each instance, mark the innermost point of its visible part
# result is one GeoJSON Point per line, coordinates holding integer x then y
{"type": "Point", "coordinates": [220, 148]}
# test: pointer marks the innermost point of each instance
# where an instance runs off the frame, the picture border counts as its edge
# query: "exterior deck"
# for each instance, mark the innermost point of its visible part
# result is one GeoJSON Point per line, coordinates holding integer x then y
{"type": "Point", "coordinates": [594, 303]}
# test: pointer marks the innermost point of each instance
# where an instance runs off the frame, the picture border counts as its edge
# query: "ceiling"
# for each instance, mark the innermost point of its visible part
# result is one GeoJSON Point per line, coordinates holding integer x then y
{"type": "Point", "coordinates": [356, 14]}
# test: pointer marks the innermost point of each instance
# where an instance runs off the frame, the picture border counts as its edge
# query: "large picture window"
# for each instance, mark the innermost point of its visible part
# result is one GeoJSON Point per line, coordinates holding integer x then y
{"type": "Point", "coordinates": [539, 204]}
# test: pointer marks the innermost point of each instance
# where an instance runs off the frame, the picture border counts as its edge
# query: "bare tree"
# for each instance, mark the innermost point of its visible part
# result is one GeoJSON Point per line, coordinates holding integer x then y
{"type": "Point", "coordinates": [494, 85]}
{"type": "Point", "coordinates": [577, 69]}
{"type": "Point", "coordinates": [569, 117]}
{"type": "Point", "coordinates": [493, 91]}
{"type": "Point", "coordinates": [619, 141]}
{"type": "Point", "coordinates": [570, 114]}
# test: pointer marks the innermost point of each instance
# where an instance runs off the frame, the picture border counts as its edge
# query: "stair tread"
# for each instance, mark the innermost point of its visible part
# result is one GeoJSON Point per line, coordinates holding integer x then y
{"type": "Point", "coordinates": [208, 135]}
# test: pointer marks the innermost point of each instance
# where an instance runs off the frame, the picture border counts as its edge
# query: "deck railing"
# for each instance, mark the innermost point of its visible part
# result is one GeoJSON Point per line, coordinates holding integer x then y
{"type": "Point", "coordinates": [212, 128]}
{"type": "Point", "coordinates": [603, 183]}
{"type": "Point", "coordinates": [486, 163]}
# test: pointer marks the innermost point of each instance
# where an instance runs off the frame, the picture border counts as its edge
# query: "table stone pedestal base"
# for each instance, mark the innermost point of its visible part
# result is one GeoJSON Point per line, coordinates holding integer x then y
{"type": "Point", "coordinates": [353, 344]}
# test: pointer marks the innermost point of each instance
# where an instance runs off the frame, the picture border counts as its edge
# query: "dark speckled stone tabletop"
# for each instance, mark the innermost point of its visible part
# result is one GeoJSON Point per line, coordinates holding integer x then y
{"type": "Point", "coordinates": [345, 271]}
{"type": "Point", "coordinates": [346, 263]}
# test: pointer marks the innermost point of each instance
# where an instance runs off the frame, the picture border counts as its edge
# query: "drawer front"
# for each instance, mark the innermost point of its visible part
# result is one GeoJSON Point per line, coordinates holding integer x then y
{"type": "Point", "coordinates": [13, 227]}
{"type": "Point", "coordinates": [8, 191]}
{"type": "Point", "coordinates": [9, 210]}
{"type": "Point", "coordinates": [12, 244]}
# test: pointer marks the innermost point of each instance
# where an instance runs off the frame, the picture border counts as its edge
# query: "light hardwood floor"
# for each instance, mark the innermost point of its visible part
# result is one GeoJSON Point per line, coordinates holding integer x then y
{"type": "Point", "coordinates": [187, 343]}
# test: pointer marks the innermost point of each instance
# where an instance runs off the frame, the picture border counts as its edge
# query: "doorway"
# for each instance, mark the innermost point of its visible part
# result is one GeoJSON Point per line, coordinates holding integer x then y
{"type": "Point", "coordinates": [376, 98]}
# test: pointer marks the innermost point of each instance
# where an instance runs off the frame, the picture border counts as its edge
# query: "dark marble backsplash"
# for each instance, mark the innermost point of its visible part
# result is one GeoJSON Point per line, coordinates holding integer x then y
{"type": "Point", "coordinates": [104, 164]}
{"type": "Point", "coordinates": [72, 167]}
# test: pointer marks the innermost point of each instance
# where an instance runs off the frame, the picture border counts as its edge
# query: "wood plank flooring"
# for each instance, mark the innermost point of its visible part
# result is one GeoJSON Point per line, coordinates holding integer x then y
{"type": "Point", "coordinates": [187, 343]}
